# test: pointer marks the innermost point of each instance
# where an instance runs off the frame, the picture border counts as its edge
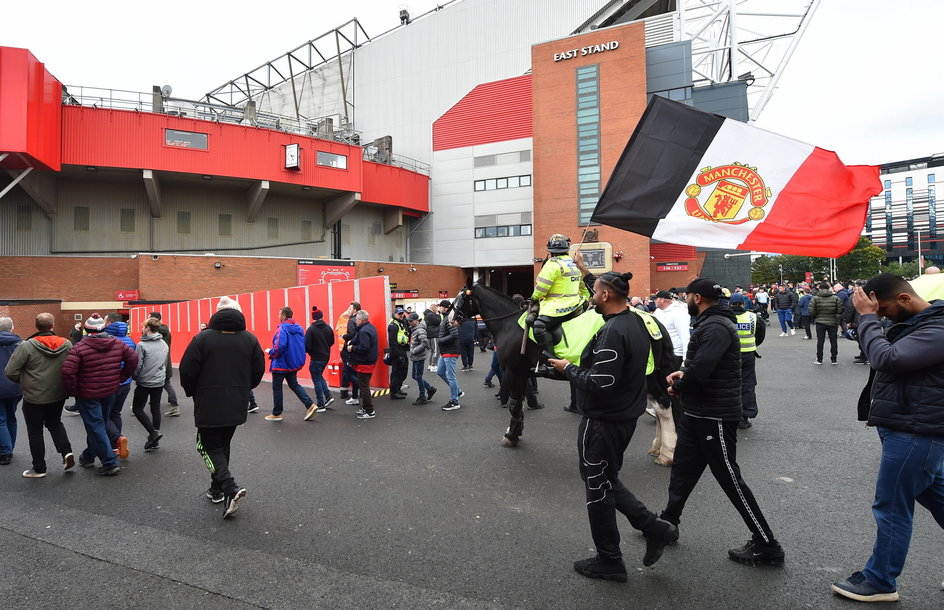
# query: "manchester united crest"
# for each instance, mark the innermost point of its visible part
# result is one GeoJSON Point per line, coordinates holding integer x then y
{"type": "Point", "coordinates": [734, 185]}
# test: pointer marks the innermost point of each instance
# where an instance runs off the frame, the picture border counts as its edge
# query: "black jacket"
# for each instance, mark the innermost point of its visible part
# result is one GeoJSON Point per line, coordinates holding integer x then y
{"type": "Point", "coordinates": [448, 338]}
{"type": "Point", "coordinates": [433, 320]}
{"type": "Point", "coordinates": [784, 300]}
{"type": "Point", "coordinates": [318, 341]}
{"type": "Point", "coordinates": [364, 345]}
{"type": "Point", "coordinates": [906, 388]}
{"type": "Point", "coordinates": [826, 308]}
{"type": "Point", "coordinates": [610, 382]}
{"type": "Point", "coordinates": [219, 368]}
{"type": "Point", "coordinates": [711, 386]}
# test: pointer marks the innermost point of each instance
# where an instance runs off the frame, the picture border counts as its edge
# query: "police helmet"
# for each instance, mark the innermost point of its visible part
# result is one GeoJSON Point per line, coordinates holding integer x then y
{"type": "Point", "coordinates": [558, 244]}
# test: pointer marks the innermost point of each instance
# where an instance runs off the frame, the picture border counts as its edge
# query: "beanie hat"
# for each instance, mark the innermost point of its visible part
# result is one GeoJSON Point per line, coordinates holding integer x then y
{"type": "Point", "coordinates": [228, 303]}
{"type": "Point", "coordinates": [316, 314]}
{"type": "Point", "coordinates": [95, 323]}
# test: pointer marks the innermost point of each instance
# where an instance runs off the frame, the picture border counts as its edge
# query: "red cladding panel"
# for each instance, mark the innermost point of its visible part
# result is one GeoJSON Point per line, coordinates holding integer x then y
{"type": "Point", "coordinates": [671, 252]}
{"type": "Point", "coordinates": [492, 112]}
{"type": "Point", "coordinates": [392, 185]}
{"type": "Point", "coordinates": [30, 111]}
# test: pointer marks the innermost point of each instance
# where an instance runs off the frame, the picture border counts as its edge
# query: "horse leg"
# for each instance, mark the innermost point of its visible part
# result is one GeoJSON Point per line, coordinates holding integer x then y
{"type": "Point", "coordinates": [657, 441]}
{"type": "Point", "coordinates": [667, 435]}
{"type": "Point", "coordinates": [515, 410]}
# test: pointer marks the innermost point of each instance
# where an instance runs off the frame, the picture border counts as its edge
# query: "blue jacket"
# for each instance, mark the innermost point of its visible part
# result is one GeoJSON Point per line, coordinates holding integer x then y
{"type": "Point", "coordinates": [364, 348]}
{"type": "Point", "coordinates": [8, 343]}
{"type": "Point", "coordinates": [805, 304]}
{"type": "Point", "coordinates": [288, 348]}
{"type": "Point", "coordinates": [467, 331]}
{"type": "Point", "coordinates": [119, 330]}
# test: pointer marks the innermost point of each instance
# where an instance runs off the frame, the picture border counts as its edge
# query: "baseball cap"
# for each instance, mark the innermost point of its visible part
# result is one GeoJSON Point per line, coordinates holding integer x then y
{"type": "Point", "coordinates": [399, 309]}
{"type": "Point", "coordinates": [414, 316]}
{"type": "Point", "coordinates": [737, 297]}
{"type": "Point", "coordinates": [705, 287]}
{"type": "Point", "coordinates": [445, 303]}
{"type": "Point", "coordinates": [664, 294]}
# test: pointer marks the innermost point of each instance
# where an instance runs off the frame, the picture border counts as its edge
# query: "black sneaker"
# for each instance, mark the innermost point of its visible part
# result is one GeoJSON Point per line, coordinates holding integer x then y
{"type": "Point", "coordinates": [450, 406]}
{"type": "Point", "coordinates": [215, 495]}
{"type": "Point", "coordinates": [73, 408]}
{"type": "Point", "coordinates": [152, 441]}
{"type": "Point", "coordinates": [461, 393]}
{"type": "Point", "coordinates": [744, 424]}
{"type": "Point", "coordinates": [420, 401]}
{"type": "Point", "coordinates": [85, 464]}
{"type": "Point", "coordinates": [231, 503]}
{"type": "Point", "coordinates": [365, 415]}
{"type": "Point", "coordinates": [598, 567]}
{"type": "Point", "coordinates": [488, 384]}
{"type": "Point", "coordinates": [754, 553]}
{"type": "Point", "coordinates": [536, 406]}
{"type": "Point", "coordinates": [858, 588]}
{"type": "Point", "coordinates": [658, 535]}
{"type": "Point", "coordinates": [429, 393]}
{"type": "Point", "coordinates": [397, 396]}
{"type": "Point", "coordinates": [108, 471]}
{"type": "Point", "coordinates": [253, 407]}
{"type": "Point", "coordinates": [5, 459]}
{"type": "Point", "coordinates": [328, 402]}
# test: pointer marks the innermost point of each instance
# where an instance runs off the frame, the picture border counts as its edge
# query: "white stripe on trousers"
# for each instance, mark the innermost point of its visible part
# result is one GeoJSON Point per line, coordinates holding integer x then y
{"type": "Point", "coordinates": [724, 452]}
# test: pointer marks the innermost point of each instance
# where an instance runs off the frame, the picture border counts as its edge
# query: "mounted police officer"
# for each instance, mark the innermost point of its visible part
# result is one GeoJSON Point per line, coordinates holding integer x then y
{"type": "Point", "coordinates": [751, 334]}
{"type": "Point", "coordinates": [559, 292]}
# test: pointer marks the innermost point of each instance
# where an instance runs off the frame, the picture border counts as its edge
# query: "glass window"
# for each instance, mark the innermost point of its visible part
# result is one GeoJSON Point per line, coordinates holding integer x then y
{"type": "Point", "coordinates": [930, 178]}
{"type": "Point", "coordinates": [480, 232]}
{"type": "Point", "coordinates": [501, 183]}
{"type": "Point", "coordinates": [526, 229]}
{"type": "Point", "coordinates": [502, 231]}
{"type": "Point", "coordinates": [327, 159]}
{"type": "Point", "coordinates": [24, 218]}
{"type": "Point", "coordinates": [908, 181]}
{"type": "Point", "coordinates": [272, 228]}
{"type": "Point", "coordinates": [80, 218]}
{"type": "Point", "coordinates": [491, 231]}
{"type": "Point", "coordinates": [480, 185]}
{"type": "Point", "coordinates": [514, 182]}
{"type": "Point", "coordinates": [185, 139]}
{"type": "Point", "coordinates": [127, 220]}
{"type": "Point", "coordinates": [525, 180]}
{"type": "Point", "coordinates": [888, 184]}
{"type": "Point", "coordinates": [225, 225]}
{"type": "Point", "coordinates": [490, 184]}
{"type": "Point", "coordinates": [515, 230]}
{"type": "Point", "coordinates": [183, 223]}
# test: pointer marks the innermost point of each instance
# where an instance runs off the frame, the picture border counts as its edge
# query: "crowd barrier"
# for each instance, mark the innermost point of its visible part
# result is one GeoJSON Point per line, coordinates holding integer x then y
{"type": "Point", "coordinates": [261, 309]}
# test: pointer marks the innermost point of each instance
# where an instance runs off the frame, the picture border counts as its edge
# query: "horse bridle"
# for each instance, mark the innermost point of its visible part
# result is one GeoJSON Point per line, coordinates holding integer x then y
{"type": "Point", "coordinates": [461, 316]}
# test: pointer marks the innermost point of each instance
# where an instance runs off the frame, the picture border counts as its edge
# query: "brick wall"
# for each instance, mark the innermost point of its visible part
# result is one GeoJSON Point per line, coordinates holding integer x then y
{"type": "Point", "coordinates": [66, 278]}
{"type": "Point", "coordinates": [24, 317]}
{"type": "Point", "coordinates": [622, 78]}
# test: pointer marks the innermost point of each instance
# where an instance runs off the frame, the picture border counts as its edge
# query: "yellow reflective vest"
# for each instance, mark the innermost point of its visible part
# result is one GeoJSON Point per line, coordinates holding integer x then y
{"type": "Point", "coordinates": [402, 337]}
{"type": "Point", "coordinates": [747, 327]}
{"type": "Point", "coordinates": [559, 287]}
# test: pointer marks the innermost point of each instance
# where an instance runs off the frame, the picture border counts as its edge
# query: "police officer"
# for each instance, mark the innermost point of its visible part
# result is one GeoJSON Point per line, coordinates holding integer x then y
{"type": "Point", "coordinates": [398, 338]}
{"type": "Point", "coordinates": [751, 334]}
{"type": "Point", "coordinates": [559, 291]}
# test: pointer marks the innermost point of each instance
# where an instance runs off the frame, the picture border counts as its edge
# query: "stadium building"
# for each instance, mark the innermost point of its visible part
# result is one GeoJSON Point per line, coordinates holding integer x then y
{"type": "Point", "coordinates": [449, 146]}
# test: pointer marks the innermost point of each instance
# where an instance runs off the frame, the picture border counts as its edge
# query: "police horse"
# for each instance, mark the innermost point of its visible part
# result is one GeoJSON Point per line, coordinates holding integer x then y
{"type": "Point", "coordinates": [501, 315]}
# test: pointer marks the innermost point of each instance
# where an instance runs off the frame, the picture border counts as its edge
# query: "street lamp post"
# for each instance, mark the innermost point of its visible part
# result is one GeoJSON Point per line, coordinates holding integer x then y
{"type": "Point", "coordinates": [781, 274]}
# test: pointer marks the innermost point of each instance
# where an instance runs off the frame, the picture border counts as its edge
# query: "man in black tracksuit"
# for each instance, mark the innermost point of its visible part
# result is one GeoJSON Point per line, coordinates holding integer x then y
{"type": "Point", "coordinates": [710, 387]}
{"type": "Point", "coordinates": [610, 386]}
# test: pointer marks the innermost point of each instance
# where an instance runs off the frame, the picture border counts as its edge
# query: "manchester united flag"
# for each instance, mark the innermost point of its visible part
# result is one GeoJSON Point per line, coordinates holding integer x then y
{"type": "Point", "coordinates": [695, 178]}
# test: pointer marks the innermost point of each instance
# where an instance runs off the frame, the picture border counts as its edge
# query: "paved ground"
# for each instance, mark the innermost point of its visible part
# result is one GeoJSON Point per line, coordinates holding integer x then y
{"type": "Point", "coordinates": [419, 508]}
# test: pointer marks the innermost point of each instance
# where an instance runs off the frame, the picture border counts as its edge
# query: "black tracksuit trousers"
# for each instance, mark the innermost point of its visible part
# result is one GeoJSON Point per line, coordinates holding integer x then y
{"type": "Point", "coordinates": [213, 446]}
{"type": "Point", "coordinates": [711, 443]}
{"type": "Point", "coordinates": [600, 448]}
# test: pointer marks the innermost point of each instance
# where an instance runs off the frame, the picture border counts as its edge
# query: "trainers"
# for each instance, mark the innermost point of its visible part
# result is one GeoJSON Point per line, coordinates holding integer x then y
{"type": "Point", "coordinates": [5, 459]}
{"type": "Point", "coordinates": [360, 412]}
{"type": "Point", "coordinates": [152, 441]}
{"type": "Point", "coordinates": [73, 408]}
{"type": "Point", "coordinates": [817, 362]}
{"type": "Point", "coordinates": [397, 396]}
{"type": "Point", "coordinates": [68, 461]}
{"type": "Point", "coordinates": [108, 471]}
{"type": "Point", "coordinates": [215, 495]}
{"type": "Point", "coordinates": [273, 418]}
{"type": "Point", "coordinates": [352, 401]}
{"type": "Point", "coordinates": [429, 393]}
{"type": "Point", "coordinates": [231, 503]}
{"type": "Point", "coordinates": [253, 407]}
{"type": "Point", "coordinates": [793, 331]}
{"type": "Point", "coordinates": [754, 553]}
{"type": "Point", "coordinates": [328, 402]}
{"type": "Point", "coordinates": [858, 588]}
{"type": "Point", "coordinates": [450, 406]}
{"type": "Point", "coordinates": [658, 535]}
{"type": "Point", "coordinates": [312, 409]}
{"type": "Point", "coordinates": [32, 474]}
{"type": "Point", "coordinates": [122, 449]}
{"type": "Point", "coordinates": [536, 406]}
{"type": "Point", "coordinates": [173, 411]}
{"type": "Point", "coordinates": [488, 384]}
{"type": "Point", "coordinates": [366, 415]}
{"type": "Point", "coordinates": [420, 401]}
{"type": "Point", "coordinates": [433, 369]}
{"type": "Point", "coordinates": [744, 424]}
{"type": "Point", "coordinates": [320, 409]}
{"type": "Point", "coordinates": [783, 334]}
{"type": "Point", "coordinates": [85, 464]}
{"type": "Point", "coordinates": [461, 393]}
{"type": "Point", "coordinates": [598, 567]}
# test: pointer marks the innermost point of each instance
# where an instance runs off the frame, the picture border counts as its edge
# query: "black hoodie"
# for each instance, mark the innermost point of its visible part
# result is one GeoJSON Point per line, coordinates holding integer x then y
{"type": "Point", "coordinates": [218, 369]}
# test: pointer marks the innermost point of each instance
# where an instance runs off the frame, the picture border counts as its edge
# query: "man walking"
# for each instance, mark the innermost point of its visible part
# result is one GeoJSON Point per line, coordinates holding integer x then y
{"type": "Point", "coordinates": [10, 392]}
{"type": "Point", "coordinates": [118, 328]}
{"type": "Point", "coordinates": [433, 319]}
{"type": "Point", "coordinates": [674, 316]}
{"type": "Point", "coordinates": [37, 365]}
{"type": "Point", "coordinates": [750, 334]}
{"type": "Point", "coordinates": [92, 372]}
{"type": "Point", "coordinates": [804, 307]}
{"type": "Point", "coordinates": [710, 387]}
{"type": "Point", "coordinates": [174, 408]}
{"type": "Point", "coordinates": [150, 377]}
{"type": "Point", "coordinates": [826, 311]}
{"type": "Point", "coordinates": [219, 368]}
{"type": "Point", "coordinates": [363, 349]}
{"type": "Point", "coordinates": [344, 330]}
{"type": "Point", "coordinates": [904, 400]}
{"type": "Point", "coordinates": [784, 301]}
{"type": "Point", "coordinates": [287, 356]}
{"type": "Point", "coordinates": [318, 341]}
{"type": "Point", "coordinates": [419, 346]}
{"type": "Point", "coordinates": [611, 395]}
{"type": "Point", "coordinates": [448, 354]}
{"type": "Point", "coordinates": [398, 342]}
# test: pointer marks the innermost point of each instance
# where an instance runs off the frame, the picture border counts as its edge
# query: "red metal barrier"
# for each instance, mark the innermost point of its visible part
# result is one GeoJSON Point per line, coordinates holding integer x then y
{"type": "Point", "coordinates": [261, 310]}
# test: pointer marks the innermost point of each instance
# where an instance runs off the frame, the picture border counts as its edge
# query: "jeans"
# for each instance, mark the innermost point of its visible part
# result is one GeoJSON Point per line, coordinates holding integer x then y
{"type": "Point", "coordinates": [467, 351]}
{"type": "Point", "coordinates": [495, 370]}
{"type": "Point", "coordinates": [50, 417]}
{"type": "Point", "coordinates": [316, 368]}
{"type": "Point", "coordinates": [290, 377]}
{"type": "Point", "coordinates": [821, 331]}
{"type": "Point", "coordinates": [169, 388]}
{"type": "Point", "coordinates": [213, 447]}
{"type": "Point", "coordinates": [94, 412]}
{"type": "Point", "coordinates": [8, 424]}
{"type": "Point", "coordinates": [912, 468]}
{"type": "Point", "coordinates": [786, 319]}
{"type": "Point", "coordinates": [113, 423]}
{"type": "Point", "coordinates": [447, 372]}
{"type": "Point", "coordinates": [141, 397]}
{"type": "Point", "coordinates": [418, 367]}
{"type": "Point", "coordinates": [349, 376]}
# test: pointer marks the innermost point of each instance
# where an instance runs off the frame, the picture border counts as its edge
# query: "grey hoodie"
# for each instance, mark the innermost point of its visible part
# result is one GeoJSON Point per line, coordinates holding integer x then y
{"type": "Point", "coordinates": [36, 366]}
{"type": "Point", "coordinates": [152, 361]}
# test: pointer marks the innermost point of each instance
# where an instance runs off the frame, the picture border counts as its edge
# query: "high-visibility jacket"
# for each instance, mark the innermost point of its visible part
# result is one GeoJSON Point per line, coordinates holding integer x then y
{"type": "Point", "coordinates": [402, 337]}
{"type": "Point", "coordinates": [747, 328]}
{"type": "Point", "coordinates": [559, 287]}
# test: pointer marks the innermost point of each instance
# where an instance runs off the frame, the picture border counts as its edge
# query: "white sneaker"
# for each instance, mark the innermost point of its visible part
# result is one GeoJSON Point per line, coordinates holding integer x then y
{"type": "Point", "coordinates": [433, 369]}
{"type": "Point", "coordinates": [352, 401]}
{"type": "Point", "coordinates": [793, 331]}
{"type": "Point", "coordinates": [783, 334]}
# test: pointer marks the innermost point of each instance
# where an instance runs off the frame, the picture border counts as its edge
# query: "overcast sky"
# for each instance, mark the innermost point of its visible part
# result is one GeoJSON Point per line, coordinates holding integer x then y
{"type": "Point", "coordinates": [862, 82]}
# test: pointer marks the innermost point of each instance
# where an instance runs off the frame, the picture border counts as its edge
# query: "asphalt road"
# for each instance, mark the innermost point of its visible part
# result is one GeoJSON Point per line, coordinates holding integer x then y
{"type": "Point", "coordinates": [421, 508]}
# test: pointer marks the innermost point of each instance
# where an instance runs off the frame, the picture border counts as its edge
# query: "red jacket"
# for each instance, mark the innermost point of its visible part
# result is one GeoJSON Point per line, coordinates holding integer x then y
{"type": "Point", "coordinates": [97, 366]}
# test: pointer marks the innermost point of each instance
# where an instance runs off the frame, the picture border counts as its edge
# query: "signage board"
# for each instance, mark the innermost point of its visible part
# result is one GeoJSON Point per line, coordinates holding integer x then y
{"type": "Point", "coordinates": [324, 272]}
